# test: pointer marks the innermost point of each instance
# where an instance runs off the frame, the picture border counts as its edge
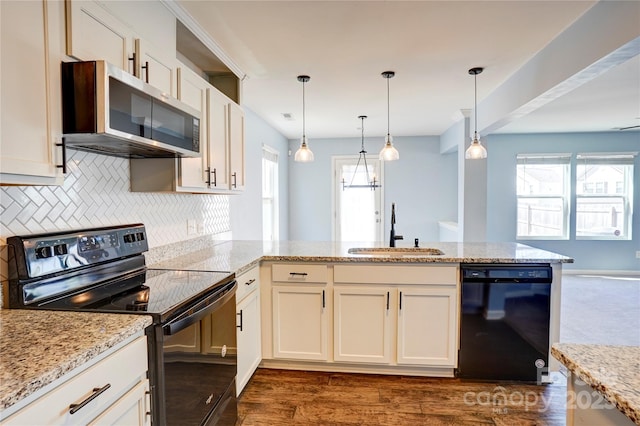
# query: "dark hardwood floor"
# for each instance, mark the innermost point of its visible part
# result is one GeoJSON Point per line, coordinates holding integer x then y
{"type": "Point", "coordinates": [282, 397]}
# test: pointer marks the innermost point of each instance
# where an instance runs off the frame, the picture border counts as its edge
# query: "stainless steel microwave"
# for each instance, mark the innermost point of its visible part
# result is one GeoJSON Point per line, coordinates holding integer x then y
{"type": "Point", "coordinates": [109, 111]}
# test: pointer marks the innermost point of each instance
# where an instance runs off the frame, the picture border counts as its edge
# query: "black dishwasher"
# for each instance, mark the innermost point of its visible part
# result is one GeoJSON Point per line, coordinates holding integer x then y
{"type": "Point", "coordinates": [504, 322]}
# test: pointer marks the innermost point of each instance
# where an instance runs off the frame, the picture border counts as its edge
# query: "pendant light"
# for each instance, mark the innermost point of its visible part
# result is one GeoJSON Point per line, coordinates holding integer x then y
{"type": "Point", "coordinates": [303, 154]}
{"type": "Point", "coordinates": [371, 182]}
{"type": "Point", "coordinates": [475, 151]}
{"type": "Point", "coordinates": [388, 153]}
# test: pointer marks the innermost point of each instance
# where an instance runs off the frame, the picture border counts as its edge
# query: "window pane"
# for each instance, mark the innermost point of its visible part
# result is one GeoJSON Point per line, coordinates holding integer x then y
{"type": "Point", "coordinates": [596, 216]}
{"type": "Point", "coordinates": [538, 217]}
{"type": "Point", "coordinates": [542, 198]}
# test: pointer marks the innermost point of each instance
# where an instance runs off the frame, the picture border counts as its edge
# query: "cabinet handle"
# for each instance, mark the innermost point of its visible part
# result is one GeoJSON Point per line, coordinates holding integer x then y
{"type": "Point", "coordinates": [215, 178]}
{"type": "Point", "coordinates": [145, 67]}
{"type": "Point", "coordinates": [251, 281]}
{"type": "Point", "coordinates": [323, 305]}
{"type": "Point", "coordinates": [63, 166]}
{"type": "Point", "coordinates": [133, 59]}
{"type": "Point", "coordinates": [234, 180]}
{"type": "Point", "coordinates": [387, 301]}
{"type": "Point", "coordinates": [240, 326]}
{"type": "Point", "coordinates": [208, 181]}
{"type": "Point", "coordinates": [302, 274]}
{"type": "Point", "coordinates": [400, 300]}
{"type": "Point", "coordinates": [74, 408]}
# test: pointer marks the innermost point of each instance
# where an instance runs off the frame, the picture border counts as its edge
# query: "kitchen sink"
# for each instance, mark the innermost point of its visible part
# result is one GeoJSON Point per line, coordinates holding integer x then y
{"type": "Point", "coordinates": [396, 251]}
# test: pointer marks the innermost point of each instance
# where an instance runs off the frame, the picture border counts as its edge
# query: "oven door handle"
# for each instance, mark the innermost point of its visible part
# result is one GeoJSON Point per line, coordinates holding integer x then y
{"type": "Point", "coordinates": [200, 310]}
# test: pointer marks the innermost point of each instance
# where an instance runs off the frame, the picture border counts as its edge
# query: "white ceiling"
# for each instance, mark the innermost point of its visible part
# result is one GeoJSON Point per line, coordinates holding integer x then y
{"type": "Point", "coordinates": [345, 46]}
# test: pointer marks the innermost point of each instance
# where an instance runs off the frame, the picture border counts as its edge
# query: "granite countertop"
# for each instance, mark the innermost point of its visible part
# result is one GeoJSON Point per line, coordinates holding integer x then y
{"type": "Point", "coordinates": [614, 371]}
{"type": "Point", "coordinates": [38, 347]}
{"type": "Point", "coordinates": [237, 256]}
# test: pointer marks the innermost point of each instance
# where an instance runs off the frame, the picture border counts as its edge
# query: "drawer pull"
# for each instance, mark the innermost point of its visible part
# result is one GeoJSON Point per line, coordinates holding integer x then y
{"type": "Point", "coordinates": [251, 281]}
{"type": "Point", "coordinates": [74, 408]}
{"type": "Point", "coordinates": [294, 274]}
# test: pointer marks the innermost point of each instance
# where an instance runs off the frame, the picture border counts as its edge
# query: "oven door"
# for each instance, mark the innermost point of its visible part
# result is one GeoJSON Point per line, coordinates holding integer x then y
{"type": "Point", "coordinates": [199, 364]}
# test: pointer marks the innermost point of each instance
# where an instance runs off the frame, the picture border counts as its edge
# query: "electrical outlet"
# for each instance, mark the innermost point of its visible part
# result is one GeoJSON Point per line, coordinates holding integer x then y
{"type": "Point", "coordinates": [192, 227]}
{"type": "Point", "coordinates": [638, 254]}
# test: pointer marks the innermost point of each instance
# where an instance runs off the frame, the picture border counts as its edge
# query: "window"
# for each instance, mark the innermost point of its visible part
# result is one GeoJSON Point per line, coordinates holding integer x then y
{"type": "Point", "coordinates": [543, 196]}
{"type": "Point", "coordinates": [270, 216]}
{"type": "Point", "coordinates": [604, 189]}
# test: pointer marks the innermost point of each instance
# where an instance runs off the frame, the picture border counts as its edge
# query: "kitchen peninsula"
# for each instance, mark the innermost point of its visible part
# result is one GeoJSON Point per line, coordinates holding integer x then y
{"type": "Point", "coordinates": [262, 268]}
{"type": "Point", "coordinates": [316, 297]}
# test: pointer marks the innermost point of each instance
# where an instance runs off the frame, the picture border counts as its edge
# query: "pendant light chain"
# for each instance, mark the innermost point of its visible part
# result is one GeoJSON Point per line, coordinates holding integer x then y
{"type": "Point", "coordinates": [475, 102]}
{"type": "Point", "coordinates": [304, 133]}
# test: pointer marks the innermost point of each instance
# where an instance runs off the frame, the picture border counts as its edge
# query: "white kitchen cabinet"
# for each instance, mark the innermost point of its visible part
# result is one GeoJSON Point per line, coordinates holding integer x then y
{"type": "Point", "coordinates": [156, 66]}
{"type": "Point", "coordinates": [218, 139]}
{"type": "Point", "coordinates": [427, 325]}
{"type": "Point", "coordinates": [404, 315]}
{"type": "Point", "coordinates": [117, 382]}
{"type": "Point", "coordinates": [362, 319]}
{"type": "Point", "coordinates": [249, 326]}
{"type": "Point", "coordinates": [30, 123]}
{"type": "Point", "coordinates": [300, 322]}
{"type": "Point", "coordinates": [236, 147]}
{"type": "Point", "coordinates": [94, 33]}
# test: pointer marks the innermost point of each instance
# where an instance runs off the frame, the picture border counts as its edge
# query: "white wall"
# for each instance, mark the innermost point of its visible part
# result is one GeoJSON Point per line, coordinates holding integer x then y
{"type": "Point", "coordinates": [246, 208]}
{"type": "Point", "coordinates": [423, 184]}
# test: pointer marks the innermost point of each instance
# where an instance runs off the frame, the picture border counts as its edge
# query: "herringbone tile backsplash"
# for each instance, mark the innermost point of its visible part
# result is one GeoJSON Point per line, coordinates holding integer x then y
{"type": "Point", "coordinates": [96, 193]}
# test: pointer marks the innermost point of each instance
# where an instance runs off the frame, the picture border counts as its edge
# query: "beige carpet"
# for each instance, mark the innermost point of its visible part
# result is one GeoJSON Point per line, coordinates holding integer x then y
{"type": "Point", "coordinates": [600, 309]}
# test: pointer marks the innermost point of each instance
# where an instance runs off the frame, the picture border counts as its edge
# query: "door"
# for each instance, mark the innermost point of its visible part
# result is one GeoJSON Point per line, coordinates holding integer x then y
{"type": "Point", "coordinates": [427, 326]}
{"type": "Point", "coordinates": [362, 324]}
{"type": "Point", "coordinates": [357, 205]}
{"type": "Point", "coordinates": [300, 327]}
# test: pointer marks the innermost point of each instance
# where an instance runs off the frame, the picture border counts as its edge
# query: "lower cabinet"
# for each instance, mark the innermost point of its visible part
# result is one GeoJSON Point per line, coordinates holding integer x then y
{"type": "Point", "coordinates": [300, 326]}
{"type": "Point", "coordinates": [114, 390]}
{"type": "Point", "coordinates": [362, 317]}
{"type": "Point", "coordinates": [248, 326]}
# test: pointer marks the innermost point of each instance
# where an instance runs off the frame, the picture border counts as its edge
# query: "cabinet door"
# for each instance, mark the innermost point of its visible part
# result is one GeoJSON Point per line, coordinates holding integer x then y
{"type": "Point", "coordinates": [156, 67]}
{"type": "Point", "coordinates": [94, 33]}
{"type": "Point", "coordinates": [236, 147]}
{"type": "Point", "coordinates": [133, 408]}
{"type": "Point", "coordinates": [192, 90]}
{"type": "Point", "coordinates": [427, 326]}
{"type": "Point", "coordinates": [249, 341]}
{"type": "Point", "coordinates": [218, 139]}
{"type": "Point", "coordinates": [362, 324]}
{"type": "Point", "coordinates": [300, 327]}
{"type": "Point", "coordinates": [27, 145]}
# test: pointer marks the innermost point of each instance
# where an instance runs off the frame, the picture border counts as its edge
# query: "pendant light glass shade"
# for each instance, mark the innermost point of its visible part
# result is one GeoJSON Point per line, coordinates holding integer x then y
{"type": "Point", "coordinates": [388, 152]}
{"type": "Point", "coordinates": [475, 151]}
{"type": "Point", "coordinates": [303, 154]}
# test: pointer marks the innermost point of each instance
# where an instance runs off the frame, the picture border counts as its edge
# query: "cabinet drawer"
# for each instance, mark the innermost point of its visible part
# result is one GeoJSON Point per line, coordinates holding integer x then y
{"type": "Point", "coordinates": [299, 273]}
{"type": "Point", "coordinates": [121, 370]}
{"type": "Point", "coordinates": [247, 282]}
{"type": "Point", "coordinates": [395, 274]}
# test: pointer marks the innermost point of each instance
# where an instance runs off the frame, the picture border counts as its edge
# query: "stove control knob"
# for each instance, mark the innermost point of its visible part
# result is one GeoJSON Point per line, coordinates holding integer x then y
{"type": "Point", "coordinates": [43, 252]}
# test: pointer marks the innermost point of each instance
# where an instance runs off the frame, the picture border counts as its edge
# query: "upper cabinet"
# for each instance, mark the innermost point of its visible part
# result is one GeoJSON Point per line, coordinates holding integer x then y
{"type": "Point", "coordinates": [155, 66]}
{"type": "Point", "coordinates": [94, 33]}
{"type": "Point", "coordinates": [236, 147]}
{"type": "Point", "coordinates": [30, 122]}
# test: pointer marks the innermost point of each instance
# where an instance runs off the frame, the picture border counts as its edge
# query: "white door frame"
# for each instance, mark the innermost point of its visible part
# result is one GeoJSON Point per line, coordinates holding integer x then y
{"type": "Point", "coordinates": [336, 186]}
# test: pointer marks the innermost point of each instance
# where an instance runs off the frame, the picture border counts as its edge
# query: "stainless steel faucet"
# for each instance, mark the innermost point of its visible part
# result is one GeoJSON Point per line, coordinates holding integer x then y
{"type": "Point", "coordinates": [393, 237]}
